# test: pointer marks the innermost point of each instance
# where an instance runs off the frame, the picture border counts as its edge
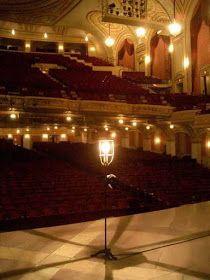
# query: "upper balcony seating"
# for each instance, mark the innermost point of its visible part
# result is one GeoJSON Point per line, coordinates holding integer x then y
{"type": "Point", "coordinates": [140, 78]}
{"type": "Point", "coordinates": [17, 77]}
{"type": "Point", "coordinates": [95, 61]}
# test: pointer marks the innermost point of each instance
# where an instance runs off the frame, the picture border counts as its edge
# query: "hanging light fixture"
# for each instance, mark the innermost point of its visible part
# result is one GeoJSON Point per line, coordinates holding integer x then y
{"type": "Point", "coordinates": [174, 27]}
{"type": "Point", "coordinates": [140, 32]}
{"type": "Point", "coordinates": [109, 42]}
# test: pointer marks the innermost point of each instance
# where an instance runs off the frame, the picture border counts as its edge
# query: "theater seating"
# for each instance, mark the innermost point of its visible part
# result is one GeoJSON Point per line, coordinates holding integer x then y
{"type": "Point", "coordinates": [18, 76]}
{"type": "Point", "coordinates": [64, 183]}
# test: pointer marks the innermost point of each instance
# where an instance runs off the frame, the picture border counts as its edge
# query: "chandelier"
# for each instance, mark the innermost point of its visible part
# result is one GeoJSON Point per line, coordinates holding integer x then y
{"type": "Point", "coordinates": [174, 28]}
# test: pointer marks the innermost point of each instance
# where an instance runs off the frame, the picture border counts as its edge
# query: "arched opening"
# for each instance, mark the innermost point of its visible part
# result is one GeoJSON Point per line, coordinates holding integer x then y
{"type": "Point", "coordinates": [161, 60]}
{"type": "Point", "coordinates": [126, 54]}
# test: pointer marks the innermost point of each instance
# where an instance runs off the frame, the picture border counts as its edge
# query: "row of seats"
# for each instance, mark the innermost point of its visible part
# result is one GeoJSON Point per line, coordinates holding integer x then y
{"type": "Point", "coordinates": [140, 78]}
{"type": "Point", "coordinates": [65, 183]}
{"type": "Point", "coordinates": [78, 81]}
{"type": "Point", "coordinates": [92, 59]}
{"type": "Point", "coordinates": [181, 179]}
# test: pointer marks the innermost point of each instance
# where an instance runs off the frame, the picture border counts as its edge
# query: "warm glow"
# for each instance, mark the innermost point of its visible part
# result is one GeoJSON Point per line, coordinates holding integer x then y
{"type": "Point", "coordinates": [174, 28]}
{"type": "Point", "coordinates": [92, 49]}
{"type": "Point", "coordinates": [13, 116]}
{"type": "Point", "coordinates": [140, 32]}
{"type": "Point", "coordinates": [186, 62]}
{"type": "Point", "coordinates": [10, 136]}
{"type": "Point", "coordinates": [27, 45]}
{"type": "Point", "coordinates": [55, 127]}
{"type": "Point", "coordinates": [18, 131]}
{"type": "Point", "coordinates": [147, 59]}
{"type": "Point", "coordinates": [105, 147]}
{"type": "Point", "coordinates": [44, 136]}
{"type": "Point", "coordinates": [126, 128]}
{"type": "Point", "coordinates": [13, 32]}
{"type": "Point", "coordinates": [85, 129]}
{"type": "Point", "coordinates": [121, 121]}
{"type": "Point", "coordinates": [159, 31]}
{"type": "Point", "coordinates": [208, 144]}
{"type": "Point", "coordinates": [106, 129]}
{"type": "Point", "coordinates": [72, 131]}
{"type": "Point", "coordinates": [113, 134]}
{"type": "Point", "coordinates": [68, 118]}
{"type": "Point", "coordinates": [27, 129]}
{"type": "Point", "coordinates": [48, 128]}
{"type": "Point", "coordinates": [134, 123]}
{"type": "Point", "coordinates": [171, 126]}
{"type": "Point", "coordinates": [27, 136]}
{"type": "Point", "coordinates": [157, 140]}
{"type": "Point", "coordinates": [148, 127]}
{"type": "Point", "coordinates": [60, 47]}
{"type": "Point", "coordinates": [109, 42]}
{"type": "Point", "coordinates": [171, 48]}
{"type": "Point", "coordinates": [106, 151]}
{"type": "Point", "coordinates": [86, 38]}
{"type": "Point", "coordinates": [63, 136]}
{"type": "Point", "coordinates": [73, 127]}
{"type": "Point", "coordinates": [45, 35]}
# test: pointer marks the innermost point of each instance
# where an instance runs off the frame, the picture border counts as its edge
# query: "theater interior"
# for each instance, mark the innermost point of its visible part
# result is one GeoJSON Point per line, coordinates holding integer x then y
{"type": "Point", "coordinates": [135, 73]}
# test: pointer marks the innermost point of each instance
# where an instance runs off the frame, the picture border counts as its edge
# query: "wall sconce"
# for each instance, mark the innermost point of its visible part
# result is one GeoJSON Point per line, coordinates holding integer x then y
{"type": "Point", "coordinates": [147, 59]}
{"type": "Point", "coordinates": [171, 48]}
{"type": "Point", "coordinates": [186, 62]}
{"type": "Point", "coordinates": [157, 140]}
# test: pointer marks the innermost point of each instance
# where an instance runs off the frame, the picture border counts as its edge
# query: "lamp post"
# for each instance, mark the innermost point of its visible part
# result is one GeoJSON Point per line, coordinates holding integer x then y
{"type": "Point", "coordinates": [106, 155]}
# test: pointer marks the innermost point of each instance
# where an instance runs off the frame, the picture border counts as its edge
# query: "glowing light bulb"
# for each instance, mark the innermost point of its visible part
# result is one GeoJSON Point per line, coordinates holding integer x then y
{"type": "Point", "coordinates": [147, 59]}
{"type": "Point", "coordinates": [157, 140]}
{"type": "Point", "coordinates": [140, 32]}
{"type": "Point", "coordinates": [13, 116]}
{"type": "Point", "coordinates": [174, 28]}
{"type": "Point", "coordinates": [121, 121]}
{"type": "Point", "coordinates": [109, 42]}
{"type": "Point", "coordinates": [171, 126]}
{"type": "Point", "coordinates": [105, 147]}
{"type": "Point", "coordinates": [171, 48]}
{"type": "Point", "coordinates": [68, 118]}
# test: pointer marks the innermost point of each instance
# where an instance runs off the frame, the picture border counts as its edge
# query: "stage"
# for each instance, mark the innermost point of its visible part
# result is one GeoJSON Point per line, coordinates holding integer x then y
{"type": "Point", "coordinates": [172, 244]}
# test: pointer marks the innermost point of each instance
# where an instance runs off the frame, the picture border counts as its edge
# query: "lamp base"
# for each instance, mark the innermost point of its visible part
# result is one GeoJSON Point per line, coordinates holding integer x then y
{"type": "Point", "coordinates": [106, 253]}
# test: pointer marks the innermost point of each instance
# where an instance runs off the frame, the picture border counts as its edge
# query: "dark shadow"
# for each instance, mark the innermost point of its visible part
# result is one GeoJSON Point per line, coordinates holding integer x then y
{"type": "Point", "coordinates": [57, 239]}
{"type": "Point", "coordinates": [183, 270]}
{"type": "Point", "coordinates": [121, 227]}
{"type": "Point", "coordinates": [17, 272]}
{"type": "Point", "coordinates": [174, 241]}
{"type": "Point", "coordinates": [129, 259]}
{"type": "Point", "coordinates": [138, 258]}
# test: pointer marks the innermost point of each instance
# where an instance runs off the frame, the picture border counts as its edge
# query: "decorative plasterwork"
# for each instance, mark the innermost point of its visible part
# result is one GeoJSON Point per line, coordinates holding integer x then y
{"type": "Point", "coordinates": [117, 31]}
{"type": "Point", "coordinates": [81, 106]}
{"type": "Point", "coordinates": [40, 12]}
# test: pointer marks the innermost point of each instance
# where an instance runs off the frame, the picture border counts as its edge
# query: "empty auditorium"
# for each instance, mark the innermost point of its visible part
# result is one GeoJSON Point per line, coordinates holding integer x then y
{"type": "Point", "coordinates": [105, 139]}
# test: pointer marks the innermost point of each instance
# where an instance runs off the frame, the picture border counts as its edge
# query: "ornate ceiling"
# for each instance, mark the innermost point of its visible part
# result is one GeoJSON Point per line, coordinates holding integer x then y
{"type": "Point", "coordinates": [42, 12]}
